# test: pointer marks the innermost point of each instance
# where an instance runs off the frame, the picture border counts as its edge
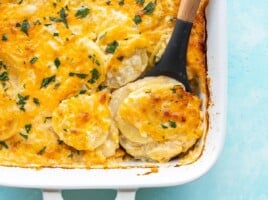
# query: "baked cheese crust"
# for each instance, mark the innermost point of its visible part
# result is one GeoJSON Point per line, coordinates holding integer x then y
{"type": "Point", "coordinates": [60, 62]}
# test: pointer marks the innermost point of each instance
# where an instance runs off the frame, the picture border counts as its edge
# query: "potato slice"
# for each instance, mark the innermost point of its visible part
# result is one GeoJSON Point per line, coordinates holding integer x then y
{"type": "Point", "coordinates": [83, 122]}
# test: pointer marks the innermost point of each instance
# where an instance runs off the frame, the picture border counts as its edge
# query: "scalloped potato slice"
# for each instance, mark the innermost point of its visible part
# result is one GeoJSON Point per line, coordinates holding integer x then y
{"type": "Point", "coordinates": [157, 118]}
{"type": "Point", "coordinates": [128, 62]}
{"type": "Point", "coordinates": [83, 122]}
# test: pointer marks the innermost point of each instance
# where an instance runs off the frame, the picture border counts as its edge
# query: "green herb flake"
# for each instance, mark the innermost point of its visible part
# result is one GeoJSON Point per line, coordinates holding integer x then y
{"type": "Point", "coordinates": [22, 101]}
{"type": "Point", "coordinates": [25, 136]}
{"type": "Point", "coordinates": [36, 101]}
{"type": "Point", "coordinates": [82, 12]}
{"type": "Point", "coordinates": [4, 37]}
{"type": "Point", "coordinates": [137, 19]}
{"type": "Point", "coordinates": [42, 151]}
{"type": "Point", "coordinates": [79, 75]}
{"type": "Point", "coordinates": [4, 144]}
{"type": "Point", "coordinates": [111, 47]}
{"type": "Point", "coordinates": [172, 124]}
{"type": "Point", "coordinates": [101, 87]}
{"type": "Point", "coordinates": [28, 127]}
{"type": "Point", "coordinates": [95, 75]}
{"type": "Point", "coordinates": [47, 81]}
{"type": "Point", "coordinates": [25, 26]}
{"type": "Point", "coordinates": [149, 8]}
{"type": "Point", "coordinates": [141, 2]}
{"type": "Point", "coordinates": [108, 2]}
{"type": "Point", "coordinates": [121, 2]}
{"type": "Point", "coordinates": [4, 76]}
{"type": "Point", "coordinates": [164, 126]}
{"type": "Point", "coordinates": [33, 60]}
{"type": "Point", "coordinates": [62, 18]}
{"type": "Point", "coordinates": [55, 34]}
{"type": "Point", "coordinates": [57, 62]}
{"type": "Point", "coordinates": [83, 92]}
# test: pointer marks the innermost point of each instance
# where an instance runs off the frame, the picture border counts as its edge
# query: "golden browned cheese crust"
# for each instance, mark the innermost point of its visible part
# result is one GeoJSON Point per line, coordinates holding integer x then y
{"type": "Point", "coordinates": [56, 54]}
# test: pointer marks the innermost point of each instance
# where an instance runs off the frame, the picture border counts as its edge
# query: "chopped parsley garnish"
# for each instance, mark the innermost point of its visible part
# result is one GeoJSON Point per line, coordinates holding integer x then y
{"type": "Point", "coordinates": [82, 12]}
{"type": "Point", "coordinates": [172, 124]}
{"type": "Point", "coordinates": [28, 127]}
{"type": "Point", "coordinates": [4, 37]}
{"type": "Point", "coordinates": [79, 75]}
{"type": "Point", "coordinates": [25, 136]}
{"type": "Point", "coordinates": [149, 8]}
{"type": "Point", "coordinates": [55, 34]}
{"type": "Point", "coordinates": [101, 87]}
{"type": "Point", "coordinates": [83, 92]}
{"type": "Point", "coordinates": [108, 2]}
{"type": "Point", "coordinates": [121, 2]}
{"type": "Point", "coordinates": [95, 75]}
{"type": "Point", "coordinates": [57, 62]}
{"type": "Point", "coordinates": [137, 19]}
{"type": "Point", "coordinates": [36, 101]}
{"type": "Point", "coordinates": [94, 59]}
{"type": "Point", "coordinates": [33, 60]}
{"type": "Point", "coordinates": [164, 126]}
{"type": "Point", "coordinates": [4, 76]}
{"type": "Point", "coordinates": [111, 47]}
{"type": "Point", "coordinates": [4, 144]}
{"type": "Point", "coordinates": [22, 101]}
{"type": "Point", "coordinates": [141, 2]}
{"type": "Point", "coordinates": [42, 151]}
{"type": "Point", "coordinates": [24, 27]}
{"type": "Point", "coordinates": [47, 81]}
{"type": "Point", "coordinates": [62, 18]}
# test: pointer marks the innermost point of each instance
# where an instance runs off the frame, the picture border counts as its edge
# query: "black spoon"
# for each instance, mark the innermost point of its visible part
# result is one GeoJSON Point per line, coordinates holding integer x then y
{"type": "Point", "coordinates": [173, 61]}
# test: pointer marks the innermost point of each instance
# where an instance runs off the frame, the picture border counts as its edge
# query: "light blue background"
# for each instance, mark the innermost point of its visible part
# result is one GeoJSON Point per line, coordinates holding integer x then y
{"type": "Point", "coordinates": [242, 170]}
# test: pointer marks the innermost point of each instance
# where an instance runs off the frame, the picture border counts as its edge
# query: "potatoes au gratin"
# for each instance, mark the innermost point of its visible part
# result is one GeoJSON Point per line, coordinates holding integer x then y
{"type": "Point", "coordinates": [70, 93]}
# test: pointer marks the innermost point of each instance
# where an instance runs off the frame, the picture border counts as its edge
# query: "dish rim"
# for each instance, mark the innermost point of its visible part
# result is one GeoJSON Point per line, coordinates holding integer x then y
{"type": "Point", "coordinates": [57, 178]}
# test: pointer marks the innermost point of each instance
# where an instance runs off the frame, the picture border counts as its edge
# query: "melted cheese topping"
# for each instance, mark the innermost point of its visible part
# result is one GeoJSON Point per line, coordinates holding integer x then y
{"type": "Point", "coordinates": [83, 122]}
{"type": "Point", "coordinates": [52, 51]}
{"type": "Point", "coordinates": [175, 119]}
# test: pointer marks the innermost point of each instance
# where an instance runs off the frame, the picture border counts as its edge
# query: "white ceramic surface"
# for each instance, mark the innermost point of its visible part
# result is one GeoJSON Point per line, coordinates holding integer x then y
{"type": "Point", "coordinates": [127, 180]}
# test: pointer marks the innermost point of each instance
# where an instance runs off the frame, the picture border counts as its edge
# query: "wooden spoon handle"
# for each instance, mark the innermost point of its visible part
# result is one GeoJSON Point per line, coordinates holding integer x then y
{"type": "Point", "coordinates": [188, 9]}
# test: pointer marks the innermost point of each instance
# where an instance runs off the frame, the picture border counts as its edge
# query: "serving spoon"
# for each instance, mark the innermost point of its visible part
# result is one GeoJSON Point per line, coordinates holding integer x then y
{"type": "Point", "coordinates": [173, 61]}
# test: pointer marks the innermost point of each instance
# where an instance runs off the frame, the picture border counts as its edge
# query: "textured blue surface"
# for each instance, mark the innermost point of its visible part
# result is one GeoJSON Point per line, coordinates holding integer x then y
{"type": "Point", "coordinates": [242, 170]}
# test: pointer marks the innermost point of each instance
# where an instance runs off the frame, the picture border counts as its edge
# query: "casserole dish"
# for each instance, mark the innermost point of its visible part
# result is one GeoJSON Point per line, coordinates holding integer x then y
{"type": "Point", "coordinates": [52, 180]}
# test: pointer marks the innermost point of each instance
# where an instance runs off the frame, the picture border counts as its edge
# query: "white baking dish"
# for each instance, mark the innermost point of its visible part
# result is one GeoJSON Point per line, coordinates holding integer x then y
{"type": "Point", "coordinates": [127, 180]}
